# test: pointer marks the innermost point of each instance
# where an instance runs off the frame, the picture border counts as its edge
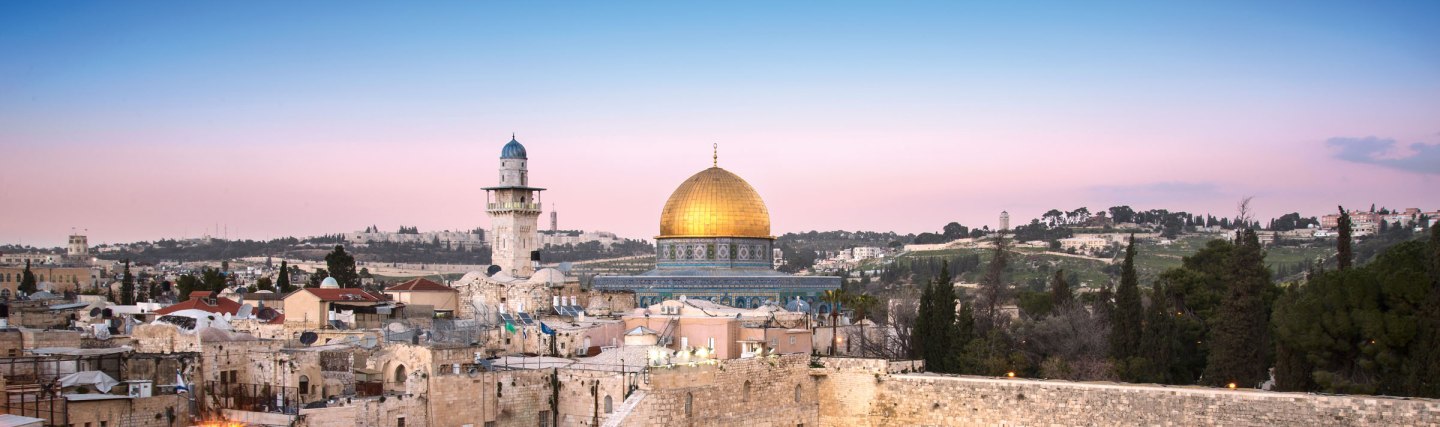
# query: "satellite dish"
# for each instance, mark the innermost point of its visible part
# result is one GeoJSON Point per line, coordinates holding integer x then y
{"type": "Point", "coordinates": [308, 338]}
{"type": "Point", "coordinates": [241, 291]}
{"type": "Point", "coordinates": [490, 271]}
{"type": "Point", "coordinates": [397, 328]}
{"type": "Point", "coordinates": [368, 342]}
{"type": "Point", "coordinates": [267, 314]}
{"type": "Point", "coordinates": [95, 312]}
{"type": "Point", "coordinates": [245, 311]}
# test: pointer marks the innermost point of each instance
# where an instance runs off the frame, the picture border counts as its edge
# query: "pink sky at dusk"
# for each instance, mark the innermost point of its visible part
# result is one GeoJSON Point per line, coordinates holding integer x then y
{"type": "Point", "coordinates": [154, 135]}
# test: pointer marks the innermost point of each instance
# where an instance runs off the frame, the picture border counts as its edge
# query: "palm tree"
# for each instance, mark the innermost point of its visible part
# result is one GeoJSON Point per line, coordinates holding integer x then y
{"type": "Point", "coordinates": [834, 297]}
{"type": "Point", "coordinates": [862, 304]}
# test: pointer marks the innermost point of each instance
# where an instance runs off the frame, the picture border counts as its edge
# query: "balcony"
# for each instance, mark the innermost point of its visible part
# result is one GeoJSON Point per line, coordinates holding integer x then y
{"type": "Point", "coordinates": [512, 206]}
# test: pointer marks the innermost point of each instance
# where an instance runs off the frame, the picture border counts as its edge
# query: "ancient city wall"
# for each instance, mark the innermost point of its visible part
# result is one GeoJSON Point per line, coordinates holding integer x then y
{"type": "Point", "coordinates": [769, 391]}
{"type": "Point", "coordinates": [864, 396]}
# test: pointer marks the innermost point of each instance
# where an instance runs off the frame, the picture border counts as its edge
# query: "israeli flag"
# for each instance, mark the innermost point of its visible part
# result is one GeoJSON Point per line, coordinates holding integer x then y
{"type": "Point", "coordinates": [180, 386]}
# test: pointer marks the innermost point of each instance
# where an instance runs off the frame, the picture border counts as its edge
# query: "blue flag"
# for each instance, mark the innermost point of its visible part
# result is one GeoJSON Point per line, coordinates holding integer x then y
{"type": "Point", "coordinates": [546, 329]}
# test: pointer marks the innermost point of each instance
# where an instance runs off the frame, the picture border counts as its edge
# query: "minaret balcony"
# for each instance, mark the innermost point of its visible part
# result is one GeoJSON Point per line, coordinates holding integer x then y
{"type": "Point", "coordinates": [512, 207]}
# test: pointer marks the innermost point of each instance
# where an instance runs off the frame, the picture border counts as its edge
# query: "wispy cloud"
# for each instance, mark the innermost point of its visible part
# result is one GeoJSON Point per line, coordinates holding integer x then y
{"type": "Point", "coordinates": [1385, 152]}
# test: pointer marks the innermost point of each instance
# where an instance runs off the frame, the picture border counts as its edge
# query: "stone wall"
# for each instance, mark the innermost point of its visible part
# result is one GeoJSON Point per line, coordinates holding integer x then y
{"type": "Point", "coordinates": [770, 391]}
{"type": "Point", "coordinates": [37, 338]}
{"type": "Point", "coordinates": [859, 394]}
{"type": "Point", "coordinates": [157, 411]}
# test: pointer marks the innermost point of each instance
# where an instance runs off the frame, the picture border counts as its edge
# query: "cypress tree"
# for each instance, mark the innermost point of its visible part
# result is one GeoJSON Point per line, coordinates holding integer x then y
{"type": "Point", "coordinates": [1428, 344]}
{"type": "Point", "coordinates": [923, 333]}
{"type": "Point", "coordinates": [27, 280]}
{"type": "Point", "coordinates": [946, 329]}
{"type": "Point", "coordinates": [1126, 330]}
{"type": "Point", "coordinates": [935, 328]}
{"type": "Point", "coordinates": [1060, 293]}
{"type": "Point", "coordinates": [1157, 344]}
{"type": "Point", "coordinates": [127, 286]}
{"type": "Point", "coordinates": [1344, 256]}
{"type": "Point", "coordinates": [1240, 339]}
{"type": "Point", "coordinates": [282, 283]}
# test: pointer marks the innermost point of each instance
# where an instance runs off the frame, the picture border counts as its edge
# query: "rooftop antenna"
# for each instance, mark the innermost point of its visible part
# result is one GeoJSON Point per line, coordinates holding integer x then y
{"type": "Point", "coordinates": [715, 157]}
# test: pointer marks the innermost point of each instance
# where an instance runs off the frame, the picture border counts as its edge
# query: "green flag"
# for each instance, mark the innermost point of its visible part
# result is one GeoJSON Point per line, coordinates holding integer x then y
{"type": "Point", "coordinates": [509, 327]}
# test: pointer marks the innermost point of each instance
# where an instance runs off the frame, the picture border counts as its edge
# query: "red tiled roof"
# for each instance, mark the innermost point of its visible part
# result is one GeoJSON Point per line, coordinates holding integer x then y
{"type": "Point", "coordinates": [222, 305]}
{"type": "Point", "coordinates": [333, 294]}
{"type": "Point", "coordinates": [420, 284]}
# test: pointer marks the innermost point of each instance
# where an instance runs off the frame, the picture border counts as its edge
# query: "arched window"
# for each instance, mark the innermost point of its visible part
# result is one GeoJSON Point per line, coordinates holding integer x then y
{"type": "Point", "coordinates": [689, 404]}
{"type": "Point", "coordinates": [745, 392]}
{"type": "Point", "coordinates": [608, 407]}
{"type": "Point", "coordinates": [304, 384]}
{"type": "Point", "coordinates": [400, 374]}
{"type": "Point", "coordinates": [798, 390]}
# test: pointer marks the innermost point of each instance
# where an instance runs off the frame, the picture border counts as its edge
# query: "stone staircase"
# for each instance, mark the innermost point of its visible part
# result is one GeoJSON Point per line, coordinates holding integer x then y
{"type": "Point", "coordinates": [617, 418]}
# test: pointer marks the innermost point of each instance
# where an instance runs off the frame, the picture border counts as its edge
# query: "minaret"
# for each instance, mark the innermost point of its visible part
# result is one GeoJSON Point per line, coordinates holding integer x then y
{"type": "Point", "coordinates": [514, 209]}
{"type": "Point", "coordinates": [1004, 220]}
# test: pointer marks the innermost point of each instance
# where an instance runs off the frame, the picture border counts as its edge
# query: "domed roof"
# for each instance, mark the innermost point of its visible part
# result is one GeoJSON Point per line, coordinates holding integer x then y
{"type": "Point", "coordinates": [715, 203]}
{"type": "Point", "coordinates": [329, 283]}
{"type": "Point", "coordinates": [513, 150]}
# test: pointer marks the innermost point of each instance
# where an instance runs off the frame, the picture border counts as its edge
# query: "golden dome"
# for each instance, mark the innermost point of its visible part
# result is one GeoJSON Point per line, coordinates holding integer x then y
{"type": "Point", "coordinates": [715, 203]}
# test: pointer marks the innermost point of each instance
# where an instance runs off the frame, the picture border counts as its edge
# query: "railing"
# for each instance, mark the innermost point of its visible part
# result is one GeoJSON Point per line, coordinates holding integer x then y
{"type": "Point", "coordinates": [512, 206]}
{"type": "Point", "coordinates": [253, 397]}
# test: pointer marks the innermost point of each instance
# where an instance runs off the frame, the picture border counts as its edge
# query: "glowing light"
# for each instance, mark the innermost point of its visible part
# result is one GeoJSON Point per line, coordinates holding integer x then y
{"type": "Point", "coordinates": [1231, 386]}
{"type": "Point", "coordinates": [1010, 374]}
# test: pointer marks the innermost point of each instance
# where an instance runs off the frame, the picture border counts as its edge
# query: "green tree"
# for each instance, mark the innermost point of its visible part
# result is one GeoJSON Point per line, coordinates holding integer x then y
{"type": "Point", "coordinates": [186, 284]}
{"type": "Point", "coordinates": [212, 280]}
{"type": "Point", "coordinates": [282, 278]}
{"type": "Point", "coordinates": [834, 297]}
{"type": "Point", "coordinates": [1060, 294]}
{"type": "Point", "coordinates": [993, 290]}
{"type": "Point", "coordinates": [264, 284]}
{"type": "Point", "coordinates": [127, 286]}
{"type": "Point", "coordinates": [1126, 321]}
{"type": "Point", "coordinates": [27, 280]}
{"type": "Point", "coordinates": [1345, 257]}
{"type": "Point", "coordinates": [1240, 336]}
{"type": "Point", "coordinates": [341, 266]}
{"type": "Point", "coordinates": [318, 276]}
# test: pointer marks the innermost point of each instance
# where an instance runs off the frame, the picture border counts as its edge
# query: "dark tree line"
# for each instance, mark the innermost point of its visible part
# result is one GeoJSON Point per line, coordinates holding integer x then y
{"type": "Point", "coordinates": [1216, 320]}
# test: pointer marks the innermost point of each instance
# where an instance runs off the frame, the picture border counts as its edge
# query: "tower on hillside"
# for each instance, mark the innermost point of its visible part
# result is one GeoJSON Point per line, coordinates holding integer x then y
{"type": "Point", "coordinates": [554, 221]}
{"type": "Point", "coordinates": [1004, 220]}
{"type": "Point", "coordinates": [514, 209]}
{"type": "Point", "coordinates": [79, 246]}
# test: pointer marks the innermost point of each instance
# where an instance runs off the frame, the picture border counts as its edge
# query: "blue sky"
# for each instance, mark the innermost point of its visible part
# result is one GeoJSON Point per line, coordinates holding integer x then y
{"type": "Point", "coordinates": [823, 106]}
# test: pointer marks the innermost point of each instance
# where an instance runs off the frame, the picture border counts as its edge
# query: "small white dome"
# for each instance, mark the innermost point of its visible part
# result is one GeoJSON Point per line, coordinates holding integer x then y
{"type": "Point", "coordinates": [548, 276]}
{"type": "Point", "coordinates": [329, 283]}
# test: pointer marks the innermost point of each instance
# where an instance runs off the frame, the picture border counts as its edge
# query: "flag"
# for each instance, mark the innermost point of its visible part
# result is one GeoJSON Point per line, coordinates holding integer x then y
{"type": "Point", "coordinates": [546, 329]}
{"type": "Point", "coordinates": [180, 384]}
{"type": "Point", "coordinates": [509, 327]}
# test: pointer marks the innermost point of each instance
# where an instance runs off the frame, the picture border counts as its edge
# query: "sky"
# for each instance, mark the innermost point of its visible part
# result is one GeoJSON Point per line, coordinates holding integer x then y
{"type": "Point", "coordinates": [166, 119]}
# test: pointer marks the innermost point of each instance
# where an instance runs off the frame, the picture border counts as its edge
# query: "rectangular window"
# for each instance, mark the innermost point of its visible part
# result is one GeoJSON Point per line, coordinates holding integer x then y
{"type": "Point", "coordinates": [400, 422]}
{"type": "Point", "coordinates": [544, 418]}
